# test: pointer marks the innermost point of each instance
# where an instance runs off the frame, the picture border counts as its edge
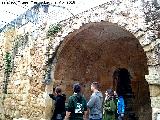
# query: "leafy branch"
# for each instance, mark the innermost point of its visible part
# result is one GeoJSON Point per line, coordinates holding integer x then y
{"type": "Point", "coordinates": [7, 60]}
{"type": "Point", "coordinates": [53, 29]}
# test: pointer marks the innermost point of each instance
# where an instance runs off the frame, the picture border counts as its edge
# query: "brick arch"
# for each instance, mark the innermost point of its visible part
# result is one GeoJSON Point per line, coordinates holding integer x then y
{"type": "Point", "coordinates": [94, 52]}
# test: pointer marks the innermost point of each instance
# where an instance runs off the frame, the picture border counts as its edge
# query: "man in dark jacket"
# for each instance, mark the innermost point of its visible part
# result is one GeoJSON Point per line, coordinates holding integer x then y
{"type": "Point", "coordinates": [59, 111]}
{"type": "Point", "coordinates": [77, 105]}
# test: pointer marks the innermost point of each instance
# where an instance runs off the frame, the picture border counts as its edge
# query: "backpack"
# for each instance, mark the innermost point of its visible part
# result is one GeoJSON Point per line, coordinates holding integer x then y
{"type": "Point", "coordinates": [121, 105]}
{"type": "Point", "coordinates": [78, 104]}
{"type": "Point", "coordinates": [113, 106]}
{"type": "Point", "coordinates": [110, 106]}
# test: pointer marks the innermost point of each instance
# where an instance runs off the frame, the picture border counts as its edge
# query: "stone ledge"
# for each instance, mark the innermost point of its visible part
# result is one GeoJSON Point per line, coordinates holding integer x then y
{"type": "Point", "coordinates": [153, 80]}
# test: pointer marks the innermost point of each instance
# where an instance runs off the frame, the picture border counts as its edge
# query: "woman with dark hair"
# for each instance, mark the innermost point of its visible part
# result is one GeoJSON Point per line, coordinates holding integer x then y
{"type": "Point", "coordinates": [59, 111]}
{"type": "Point", "coordinates": [109, 106]}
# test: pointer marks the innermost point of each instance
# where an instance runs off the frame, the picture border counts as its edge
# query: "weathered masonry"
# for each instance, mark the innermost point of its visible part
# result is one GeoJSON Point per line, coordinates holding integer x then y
{"type": "Point", "coordinates": [94, 52]}
{"type": "Point", "coordinates": [116, 39]}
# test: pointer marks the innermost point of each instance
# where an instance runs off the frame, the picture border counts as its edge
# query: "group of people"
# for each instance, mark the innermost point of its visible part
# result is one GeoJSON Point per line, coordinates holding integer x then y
{"type": "Point", "coordinates": [110, 108]}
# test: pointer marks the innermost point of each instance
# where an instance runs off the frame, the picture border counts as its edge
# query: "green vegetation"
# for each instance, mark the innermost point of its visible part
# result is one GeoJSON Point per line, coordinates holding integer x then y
{"type": "Point", "coordinates": [53, 29]}
{"type": "Point", "coordinates": [19, 42]}
{"type": "Point", "coordinates": [8, 70]}
{"type": "Point", "coordinates": [7, 60]}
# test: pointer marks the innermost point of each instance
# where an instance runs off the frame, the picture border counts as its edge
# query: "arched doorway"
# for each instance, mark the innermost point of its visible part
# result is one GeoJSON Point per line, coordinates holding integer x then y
{"type": "Point", "coordinates": [122, 82]}
{"type": "Point", "coordinates": [122, 86]}
{"type": "Point", "coordinates": [94, 52]}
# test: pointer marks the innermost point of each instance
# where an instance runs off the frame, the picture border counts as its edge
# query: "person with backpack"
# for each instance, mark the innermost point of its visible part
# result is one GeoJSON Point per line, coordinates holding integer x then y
{"type": "Point", "coordinates": [59, 98]}
{"type": "Point", "coordinates": [121, 108]}
{"type": "Point", "coordinates": [95, 103]}
{"type": "Point", "coordinates": [109, 106]}
{"type": "Point", "coordinates": [77, 105]}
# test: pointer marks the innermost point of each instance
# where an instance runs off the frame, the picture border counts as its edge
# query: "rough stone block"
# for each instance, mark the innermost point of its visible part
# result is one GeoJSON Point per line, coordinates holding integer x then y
{"type": "Point", "coordinates": [154, 75]}
{"type": "Point", "coordinates": [154, 90]}
{"type": "Point", "coordinates": [155, 102]}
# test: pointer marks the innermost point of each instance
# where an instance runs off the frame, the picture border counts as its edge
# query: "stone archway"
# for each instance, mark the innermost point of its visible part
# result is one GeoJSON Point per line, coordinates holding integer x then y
{"type": "Point", "coordinates": [94, 52]}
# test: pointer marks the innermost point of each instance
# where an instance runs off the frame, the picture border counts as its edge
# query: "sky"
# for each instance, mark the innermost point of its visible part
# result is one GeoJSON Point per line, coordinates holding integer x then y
{"type": "Point", "coordinates": [10, 11]}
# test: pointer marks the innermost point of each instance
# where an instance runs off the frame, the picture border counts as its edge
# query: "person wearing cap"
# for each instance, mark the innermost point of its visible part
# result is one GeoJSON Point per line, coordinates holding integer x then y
{"type": "Point", "coordinates": [77, 105]}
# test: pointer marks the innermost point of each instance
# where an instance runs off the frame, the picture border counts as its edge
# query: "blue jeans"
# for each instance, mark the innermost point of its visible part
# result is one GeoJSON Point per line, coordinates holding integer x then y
{"type": "Point", "coordinates": [120, 118]}
{"type": "Point", "coordinates": [95, 119]}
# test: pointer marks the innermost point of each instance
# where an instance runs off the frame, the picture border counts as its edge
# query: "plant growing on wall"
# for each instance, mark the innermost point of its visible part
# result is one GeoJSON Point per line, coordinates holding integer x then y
{"type": "Point", "coordinates": [49, 63]}
{"type": "Point", "coordinates": [8, 60]}
{"type": "Point", "coordinates": [19, 42]}
{"type": "Point", "coordinates": [53, 29]}
{"type": "Point", "coordinates": [8, 69]}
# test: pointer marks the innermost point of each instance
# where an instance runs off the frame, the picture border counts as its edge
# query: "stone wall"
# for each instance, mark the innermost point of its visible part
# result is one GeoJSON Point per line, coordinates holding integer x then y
{"type": "Point", "coordinates": [26, 85]}
{"type": "Point", "coordinates": [94, 52]}
{"type": "Point", "coordinates": [26, 92]}
{"type": "Point", "coordinates": [152, 14]}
